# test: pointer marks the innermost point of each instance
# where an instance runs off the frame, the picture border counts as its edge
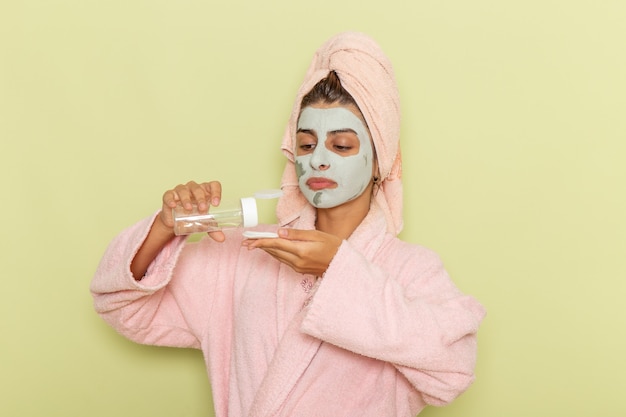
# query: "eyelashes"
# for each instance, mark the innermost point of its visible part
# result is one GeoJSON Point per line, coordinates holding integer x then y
{"type": "Point", "coordinates": [342, 143]}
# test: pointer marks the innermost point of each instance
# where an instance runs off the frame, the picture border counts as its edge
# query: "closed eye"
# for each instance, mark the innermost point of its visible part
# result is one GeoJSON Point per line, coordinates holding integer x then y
{"type": "Point", "coordinates": [306, 141]}
{"type": "Point", "coordinates": [343, 141]}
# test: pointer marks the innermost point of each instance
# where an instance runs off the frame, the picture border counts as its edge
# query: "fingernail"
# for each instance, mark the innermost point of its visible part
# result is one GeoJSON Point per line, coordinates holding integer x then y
{"type": "Point", "coordinates": [282, 232]}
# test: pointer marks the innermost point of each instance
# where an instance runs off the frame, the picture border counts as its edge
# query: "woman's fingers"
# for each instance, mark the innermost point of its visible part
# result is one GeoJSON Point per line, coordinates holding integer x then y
{"type": "Point", "coordinates": [214, 190]}
{"type": "Point", "coordinates": [202, 195]}
{"type": "Point", "coordinates": [306, 251]}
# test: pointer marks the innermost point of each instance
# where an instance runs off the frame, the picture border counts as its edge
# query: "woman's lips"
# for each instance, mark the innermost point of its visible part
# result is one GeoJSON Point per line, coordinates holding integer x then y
{"type": "Point", "coordinates": [317, 184]}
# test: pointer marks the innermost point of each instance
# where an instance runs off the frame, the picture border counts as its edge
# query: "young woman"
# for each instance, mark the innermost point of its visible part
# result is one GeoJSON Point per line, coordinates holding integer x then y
{"type": "Point", "coordinates": [337, 316]}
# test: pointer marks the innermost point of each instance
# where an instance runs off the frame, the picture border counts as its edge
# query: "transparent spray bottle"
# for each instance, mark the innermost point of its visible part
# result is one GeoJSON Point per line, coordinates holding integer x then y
{"type": "Point", "coordinates": [230, 214]}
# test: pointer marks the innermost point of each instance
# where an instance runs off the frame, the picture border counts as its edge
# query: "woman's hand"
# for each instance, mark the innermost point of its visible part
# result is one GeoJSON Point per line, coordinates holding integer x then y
{"type": "Point", "coordinates": [203, 195]}
{"type": "Point", "coordinates": [162, 231]}
{"type": "Point", "coordinates": [305, 251]}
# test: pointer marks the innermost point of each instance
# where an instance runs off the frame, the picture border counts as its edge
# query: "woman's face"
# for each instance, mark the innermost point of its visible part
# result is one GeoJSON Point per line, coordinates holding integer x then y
{"type": "Point", "coordinates": [334, 156]}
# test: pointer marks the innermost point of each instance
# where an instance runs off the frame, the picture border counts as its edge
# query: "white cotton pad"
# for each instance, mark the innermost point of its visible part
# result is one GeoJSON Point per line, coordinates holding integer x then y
{"type": "Point", "coordinates": [259, 235]}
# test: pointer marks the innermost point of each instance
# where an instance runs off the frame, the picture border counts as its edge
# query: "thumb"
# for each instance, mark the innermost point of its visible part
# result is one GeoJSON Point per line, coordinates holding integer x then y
{"type": "Point", "coordinates": [294, 234]}
{"type": "Point", "coordinates": [217, 236]}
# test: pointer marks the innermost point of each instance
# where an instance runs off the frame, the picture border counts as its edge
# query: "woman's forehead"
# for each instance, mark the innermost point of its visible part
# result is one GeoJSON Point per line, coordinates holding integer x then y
{"type": "Point", "coordinates": [349, 106]}
{"type": "Point", "coordinates": [331, 118]}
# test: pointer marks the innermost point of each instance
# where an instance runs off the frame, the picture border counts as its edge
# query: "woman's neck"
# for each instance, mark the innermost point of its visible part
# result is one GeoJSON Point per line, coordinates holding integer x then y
{"type": "Point", "coordinates": [342, 220]}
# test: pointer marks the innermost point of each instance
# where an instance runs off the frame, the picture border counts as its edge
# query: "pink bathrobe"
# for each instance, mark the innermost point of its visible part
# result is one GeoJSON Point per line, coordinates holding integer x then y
{"type": "Point", "coordinates": [384, 333]}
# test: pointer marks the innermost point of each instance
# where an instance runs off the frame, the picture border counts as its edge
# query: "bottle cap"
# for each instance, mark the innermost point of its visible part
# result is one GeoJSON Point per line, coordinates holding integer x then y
{"type": "Point", "coordinates": [249, 212]}
{"type": "Point", "coordinates": [268, 194]}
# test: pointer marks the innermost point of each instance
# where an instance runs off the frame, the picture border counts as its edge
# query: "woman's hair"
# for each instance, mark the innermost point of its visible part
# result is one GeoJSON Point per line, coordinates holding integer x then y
{"type": "Point", "coordinates": [328, 90]}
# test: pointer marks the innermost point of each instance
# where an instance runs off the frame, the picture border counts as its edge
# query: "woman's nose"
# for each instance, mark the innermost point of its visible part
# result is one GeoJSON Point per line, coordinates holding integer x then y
{"type": "Point", "coordinates": [319, 159]}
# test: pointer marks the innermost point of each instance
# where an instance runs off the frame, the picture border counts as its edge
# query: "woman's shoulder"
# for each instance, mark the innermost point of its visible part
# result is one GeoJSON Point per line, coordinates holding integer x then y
{"type": "Point", "coordinates": [400, 250]}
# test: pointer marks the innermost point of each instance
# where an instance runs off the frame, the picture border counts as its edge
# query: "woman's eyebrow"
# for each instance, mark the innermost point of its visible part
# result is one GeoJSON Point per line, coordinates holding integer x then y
{"type": "Point", "coordinates": [309, 131]}
{"type": "Point", "coordinates": [346, 130]}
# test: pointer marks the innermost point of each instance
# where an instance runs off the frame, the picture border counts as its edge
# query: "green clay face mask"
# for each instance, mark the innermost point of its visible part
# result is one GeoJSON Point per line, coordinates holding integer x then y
{"type": "Point", "coordinates": [326, 177]}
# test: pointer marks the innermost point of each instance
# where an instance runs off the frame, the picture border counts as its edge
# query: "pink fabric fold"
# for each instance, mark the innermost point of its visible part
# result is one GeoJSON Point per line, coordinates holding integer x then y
{"type": "Point", "coordinates": [367, 74]}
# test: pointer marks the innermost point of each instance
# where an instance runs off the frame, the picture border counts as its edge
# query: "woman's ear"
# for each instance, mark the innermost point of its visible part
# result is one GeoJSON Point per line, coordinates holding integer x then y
{"type": "Point", "coordinates": [375, 171]}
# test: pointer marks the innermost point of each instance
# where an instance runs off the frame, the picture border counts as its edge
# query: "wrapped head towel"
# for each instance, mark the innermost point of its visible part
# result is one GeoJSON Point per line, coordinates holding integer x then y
{"type": "Point", "coordinates": [366, 73]}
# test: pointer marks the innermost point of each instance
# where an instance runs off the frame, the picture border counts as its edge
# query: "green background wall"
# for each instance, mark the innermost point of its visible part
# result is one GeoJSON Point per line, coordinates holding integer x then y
{"type": "Point", "coordinates": [514, 140]}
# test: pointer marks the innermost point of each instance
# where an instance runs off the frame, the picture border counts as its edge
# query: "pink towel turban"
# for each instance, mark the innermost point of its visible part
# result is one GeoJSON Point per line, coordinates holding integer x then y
{"type": "Point", "coordinates": [366, 73]}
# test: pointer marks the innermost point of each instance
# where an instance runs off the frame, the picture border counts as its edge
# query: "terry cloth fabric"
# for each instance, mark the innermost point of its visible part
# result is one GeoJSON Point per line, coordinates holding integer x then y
{"type": "Point", "coordinates": [366, 73]}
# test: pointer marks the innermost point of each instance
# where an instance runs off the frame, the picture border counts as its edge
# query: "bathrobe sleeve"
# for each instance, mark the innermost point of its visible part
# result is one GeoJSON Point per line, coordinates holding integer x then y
{"type": "Point", "coordinates": [171, 304]}
{"type": "Point", "coordinates": [401, 308]}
